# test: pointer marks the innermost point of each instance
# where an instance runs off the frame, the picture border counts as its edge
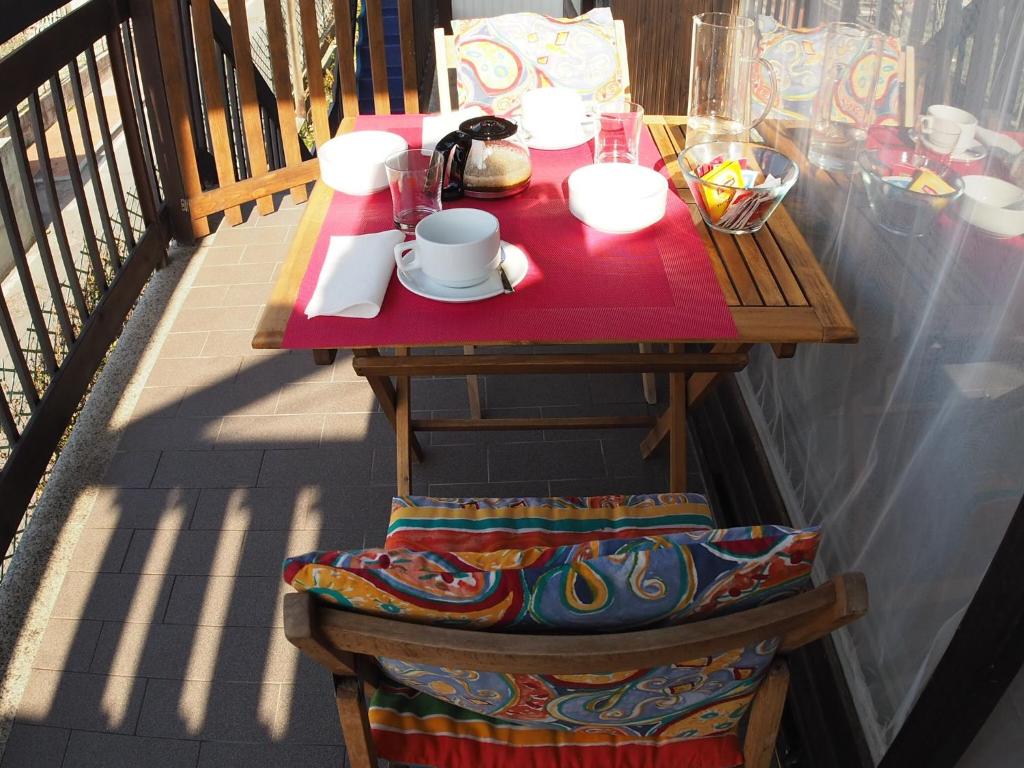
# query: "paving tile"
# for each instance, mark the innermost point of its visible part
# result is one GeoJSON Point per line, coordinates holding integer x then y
{"type": "Point", "coordinates": [442, 394]}
{"type": "Point", "coordinates": [554, 461]}
{"type": "Point", "coordinates": [280, 431]}
{"type": "Point", "coordinates": [183, 344]}
{"type": "Point", "coordinates": [248, 601]}
{"type": "Point", "coordinates": [112, 597]}
{"type": "Point", "coordinates": [279, 370]}
{"type": "Point", "coordinates": [307, 714]}
{"type": "Point", "coordinates": [218, 754]}
{"type": "Point", "coordinates": [333, 466]}
{"type": "Point", "coordinates": [227, 400]}
{"type": "Point", "coordinates": [228, 343]}
{"type": "Point", "coordinates": [100, 550]}
{"type": "Point", "coordinates": [217, 318]}
{"type": "Point", "coordinates": [234, 274]}
{"type": "Point", "coordinates": [441, 464]}
{"type": "Point", "coordinates": [245, 509]}
{"type": "Point", "coordinates": [535, 390]}
{"type": "Point", "coordinates": [265, 550]}
{"type": "Point", "coordinates": [35, 746]}
{"type": "Point", "coordinates": [207, 469]}
{"type": "Point", "coordinates": [283, 217]}
{"type": "Point", "coordinates": [490, 490]}
{"type": "Point", "coordinates": [106, 750]}
{"type": "Point", "coordinates": [218, 711]}
{"type": "Point", "coordinates": [261, 253]}
{"type": "Point", "coordinates": [184, 552]}
{"type": "Point", "coordinates": [334, 397]}
{"type": "Point", "coordinates": [271, 233]}
{"type": "Point", "coordinates": [81, 701]}
{"type": "Point", "coordinates": [616, 388]}
{"type": "Point", "coordinates": [365, 429]}
{"type": "Point", "coordinates": [183, 652]}
{"type": "Point", "coordinates": [164, 434]}
{"type": "Point", "coordinates": [159, 401]}
{"type": "Point", "coordinates": [131, 469]}
{"type": "Point", "coordinates": [142, 508]}
{"type": "Point", "coordinates": [67, 644]}
{"type": "Point", "coordinates": [194, 372]}
{"type": "Point", "coordinates": [622, 457]}
{"type": "Point", "coordinates": [218, 256]}
{"type": "Point", "coordinates": [480, 437]}
{"type": "Point", "coordinates": [246, 295]}
{"type": "Point", "coordinates": [205, 296]}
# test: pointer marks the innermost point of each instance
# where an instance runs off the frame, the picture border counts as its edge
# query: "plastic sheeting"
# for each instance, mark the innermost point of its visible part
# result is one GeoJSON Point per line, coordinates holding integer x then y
{"type": "Point", "coordinates": [908, 446]}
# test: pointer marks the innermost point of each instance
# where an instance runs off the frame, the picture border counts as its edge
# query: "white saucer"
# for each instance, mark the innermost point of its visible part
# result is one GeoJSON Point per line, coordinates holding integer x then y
{"type": "Point", "coordinates": [516, 266]}
{"type": "Point", "coordinates": [977, 151]}
{"type": "Point", "coordinates": [587, 130]}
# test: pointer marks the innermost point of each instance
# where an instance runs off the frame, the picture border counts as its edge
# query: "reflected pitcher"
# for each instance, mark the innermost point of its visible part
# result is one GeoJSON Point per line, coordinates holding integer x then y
{"type": "Point", "coordinates": [723, 56]}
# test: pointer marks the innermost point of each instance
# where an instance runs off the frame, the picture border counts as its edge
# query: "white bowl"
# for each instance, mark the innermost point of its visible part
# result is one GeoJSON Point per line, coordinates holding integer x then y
{"type": "Point", "coordinates": [353, 163]}
{"type": "Point", "coordinates": [985, 205]}
{"type": "Point", "coordinates": [617, 198]}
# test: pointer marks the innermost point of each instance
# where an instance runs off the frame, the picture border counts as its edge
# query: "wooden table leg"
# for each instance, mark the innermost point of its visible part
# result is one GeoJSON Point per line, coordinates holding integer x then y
{"type": "Point", "coordinates": [386, 396]}
{"type": "Point", "coordinates": [650, 385]}
{"type": "Point", "coordinates": [403, 432]}
{"type": "Point", "coordinates": [324, 356]}
{"type": "Point", "coordinates": [677, 433]}
{"type": "Point", "coordinates": [473, 388]}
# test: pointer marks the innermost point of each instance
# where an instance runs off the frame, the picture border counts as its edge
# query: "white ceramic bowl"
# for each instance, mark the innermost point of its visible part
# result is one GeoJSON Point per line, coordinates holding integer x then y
{"type": "Point", "coordinates": [353, 163]}
{"type": "Point", "coordinates": [617, 198]}
{"type": "Point", "coordinates": [985, 205]}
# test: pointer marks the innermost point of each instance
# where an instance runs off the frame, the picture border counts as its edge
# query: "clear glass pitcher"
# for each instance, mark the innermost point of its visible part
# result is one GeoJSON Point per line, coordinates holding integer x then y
{"type": "Point", "coordinates": [723, 55]}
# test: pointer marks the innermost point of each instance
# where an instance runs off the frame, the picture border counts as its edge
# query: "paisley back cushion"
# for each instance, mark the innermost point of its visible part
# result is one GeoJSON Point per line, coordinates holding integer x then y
{"type": "Point", "coordinates": [502, 57]}
{"type": "Point", "coordinates": [798, 57]}
{"type": "Point", "coordinates": [600, 586]}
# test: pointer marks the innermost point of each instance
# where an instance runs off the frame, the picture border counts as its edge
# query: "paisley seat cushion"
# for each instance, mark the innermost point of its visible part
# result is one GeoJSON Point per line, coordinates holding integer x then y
{"type": "Point", "coordinates": [487, 525]}
{"type": "Point", "coordinates": [502, 57]}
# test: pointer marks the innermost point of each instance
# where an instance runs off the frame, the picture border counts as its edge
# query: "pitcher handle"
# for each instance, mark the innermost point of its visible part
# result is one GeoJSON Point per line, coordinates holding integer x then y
{"type": "Point", "coordinates": [774, 81]}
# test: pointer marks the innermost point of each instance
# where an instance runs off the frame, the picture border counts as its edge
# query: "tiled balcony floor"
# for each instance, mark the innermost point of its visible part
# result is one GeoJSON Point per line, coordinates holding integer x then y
{"type": "Point", "coordinates": [165, 647]}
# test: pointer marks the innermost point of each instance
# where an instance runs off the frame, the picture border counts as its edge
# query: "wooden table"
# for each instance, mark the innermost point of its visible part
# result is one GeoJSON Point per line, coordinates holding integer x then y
{"type": "Point", "coordinates": [774, 287]}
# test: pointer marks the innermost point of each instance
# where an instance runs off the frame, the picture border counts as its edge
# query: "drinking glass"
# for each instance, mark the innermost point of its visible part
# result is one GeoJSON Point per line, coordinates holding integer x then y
{"type": "Point", "coordinates": [415, 177]}
{"type": "Point", "coordinates": [618, 132]}
{"type": "Point", "coordinates": [844, 107]}
{"type": "Point", "coordinates": [723, 55]}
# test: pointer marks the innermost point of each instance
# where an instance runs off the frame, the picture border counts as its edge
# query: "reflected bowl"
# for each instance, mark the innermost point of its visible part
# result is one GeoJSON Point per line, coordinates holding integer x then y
{"type": "Point", "coordinates": [993, 206]}
{"type": "Point", "coordinates": [887, 175]}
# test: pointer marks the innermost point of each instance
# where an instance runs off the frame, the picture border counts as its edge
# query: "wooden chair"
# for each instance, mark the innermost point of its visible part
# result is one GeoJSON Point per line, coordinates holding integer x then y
{"type": "Point", "coordinates": [446, 59]}
{"type": "Point", "coordinates": [348, 644]}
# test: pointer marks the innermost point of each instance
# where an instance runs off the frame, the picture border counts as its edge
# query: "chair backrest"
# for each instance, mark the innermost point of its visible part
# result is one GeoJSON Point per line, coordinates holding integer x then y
{"type": "Point", "coordinates": [446, 58]}
{"type": "Point", "coordinates": [350, 644]}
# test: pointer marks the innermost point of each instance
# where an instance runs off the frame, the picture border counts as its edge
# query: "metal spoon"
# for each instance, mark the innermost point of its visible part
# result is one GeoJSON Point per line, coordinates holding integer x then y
{"type": "Point", "coordinates": [506, 284]}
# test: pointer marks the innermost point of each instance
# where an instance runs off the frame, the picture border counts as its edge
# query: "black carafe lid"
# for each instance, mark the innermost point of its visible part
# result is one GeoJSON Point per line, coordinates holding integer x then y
{"type": "Point", "coordinates": [488, 128]}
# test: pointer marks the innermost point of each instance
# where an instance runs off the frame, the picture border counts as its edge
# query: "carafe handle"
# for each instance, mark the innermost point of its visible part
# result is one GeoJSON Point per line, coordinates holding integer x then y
{"type": "Point", "coordinates": [454, 149]}
{"type": "Point", "coordinates": [774, 82]}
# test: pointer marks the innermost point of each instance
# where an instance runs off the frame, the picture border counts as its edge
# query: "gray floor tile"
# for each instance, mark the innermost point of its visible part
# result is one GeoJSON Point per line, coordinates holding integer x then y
{"type": "Point", "coordinates": [217, 711]}
{"type": "Point", "coordinates": [100, 549]}
{"type": "Point", "coordinates": [194, 372]}
{"type": "Point", "coordinates": [205, 296]}
{"type": "Point", "coordinates": [234, 274]}
{"type": "Point", "coordinates": [554, 461]}
{"type": "Point", "coordinates": [67, 644]}
{"type": "Point", "coordinates": [208, 469]}
{"type": "Point", "coordinates": [188, 344]}
{"type": "Point", "coordinates": [159, 401]}
{"type": "Point", "coordinates": [243, 509]}
{"type": "Point", "coordinates": [535, 390]}
{"type": "Point", "coordinates": [258, 432]}
{"type": "Point", "coordinates": [217, 754]}
{"type": "Point", "coordinates": [250, 601]}
{"type": "Point", "coordinates": [616, 388]}
{"type": "Point", "coordinates": [197, 553]}
{"type": "Point", "coordinates": [230, 343]}
{"type": "Point", "coordinates": [307, 714]}
{"type": "Point", "coordinates": [226, 400]}
{"type": "Point", "coordinates": [441, 394]}
{"type": "Point", "coordinates": [81, 701]}
{"type": "Point", "coordinates": [143, 508]}
{"type": "Point", "coordinates": [106, 750]}
{"type": "Point", "coordinates": [332, 466]}
{"type": "Point", "coordinates": [170, 434]}
{"type": "Point", "coordinates": [490, 490]}
{"type": "Point", "coordinates": [131, 469]}
{"type": "Point", "coordinates": [112, 597]}
{"type": "Point", "coordinates": [35, 746]}
{"type": "Point", "coordinates": [441, 464]}
{"type": "Point", "coordinates": [332, 397]}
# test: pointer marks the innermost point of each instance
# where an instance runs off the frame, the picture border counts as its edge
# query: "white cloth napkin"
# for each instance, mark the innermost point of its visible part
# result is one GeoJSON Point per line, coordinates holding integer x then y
{"type": "Point", "coordinates": [436, 127]}
{"type": "Point", "coordinates": [355, 275]}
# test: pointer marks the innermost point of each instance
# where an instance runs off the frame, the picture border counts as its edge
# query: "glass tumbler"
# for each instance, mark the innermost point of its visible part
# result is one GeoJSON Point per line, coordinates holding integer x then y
{"type": "Point", "coordinates": [845, 103]}
{"type": "Point", "coordinates": [617, 139]}
{"type": "Point", "coordinates": [414, 176]}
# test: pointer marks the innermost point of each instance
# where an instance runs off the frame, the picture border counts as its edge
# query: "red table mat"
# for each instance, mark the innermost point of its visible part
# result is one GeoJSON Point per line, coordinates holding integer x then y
{"type": "Point", "coordinates": [583, 285]}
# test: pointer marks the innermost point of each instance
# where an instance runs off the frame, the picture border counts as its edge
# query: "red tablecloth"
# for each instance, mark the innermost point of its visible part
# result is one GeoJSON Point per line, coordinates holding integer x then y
{"type": "Point", "coordinates": [583, 286]}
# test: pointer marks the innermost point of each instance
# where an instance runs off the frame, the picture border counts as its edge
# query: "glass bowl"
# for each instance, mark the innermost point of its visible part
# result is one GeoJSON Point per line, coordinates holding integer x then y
{"type": "Point", "coordinates": [887, 173]}
{"type": "Point", "coordinates": [738, 206]}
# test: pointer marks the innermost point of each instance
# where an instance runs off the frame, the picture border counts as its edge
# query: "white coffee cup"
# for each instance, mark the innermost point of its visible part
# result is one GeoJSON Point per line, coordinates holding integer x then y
{"type": "Point", "coordinates": [459, 248]}
{"type": "Point", "coordinates": [967, 122]}
{"type": "Point", "coordinates": [552, 114]}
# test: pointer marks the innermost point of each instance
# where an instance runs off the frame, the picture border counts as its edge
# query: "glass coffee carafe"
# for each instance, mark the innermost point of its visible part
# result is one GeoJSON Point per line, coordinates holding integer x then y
{"type": "Point", "coordinates": [487, 157]}
{"type": "Point", "coordinates": [723, 56]}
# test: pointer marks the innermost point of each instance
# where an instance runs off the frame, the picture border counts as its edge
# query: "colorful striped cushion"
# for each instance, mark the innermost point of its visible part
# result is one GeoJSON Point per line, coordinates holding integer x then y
{"type": "Point", "coordinates": [411, 727]}
{"type": "Point", "coordinates": [488, 525]}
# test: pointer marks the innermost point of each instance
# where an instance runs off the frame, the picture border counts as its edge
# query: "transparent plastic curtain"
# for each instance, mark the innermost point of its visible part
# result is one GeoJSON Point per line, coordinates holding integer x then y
{"type": "Point", "coordinates": [908, 447]}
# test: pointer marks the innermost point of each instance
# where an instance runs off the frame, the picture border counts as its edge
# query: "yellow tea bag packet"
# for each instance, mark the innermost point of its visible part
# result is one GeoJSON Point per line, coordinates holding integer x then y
{"type": "Point", "coordinates": [717, 201]}
{"type": "Point", "coordinates": [929, 183]}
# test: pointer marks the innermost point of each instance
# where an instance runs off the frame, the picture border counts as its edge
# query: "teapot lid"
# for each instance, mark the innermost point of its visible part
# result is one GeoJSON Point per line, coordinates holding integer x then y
{"type": "Point", "coordinates": [488, 128]}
